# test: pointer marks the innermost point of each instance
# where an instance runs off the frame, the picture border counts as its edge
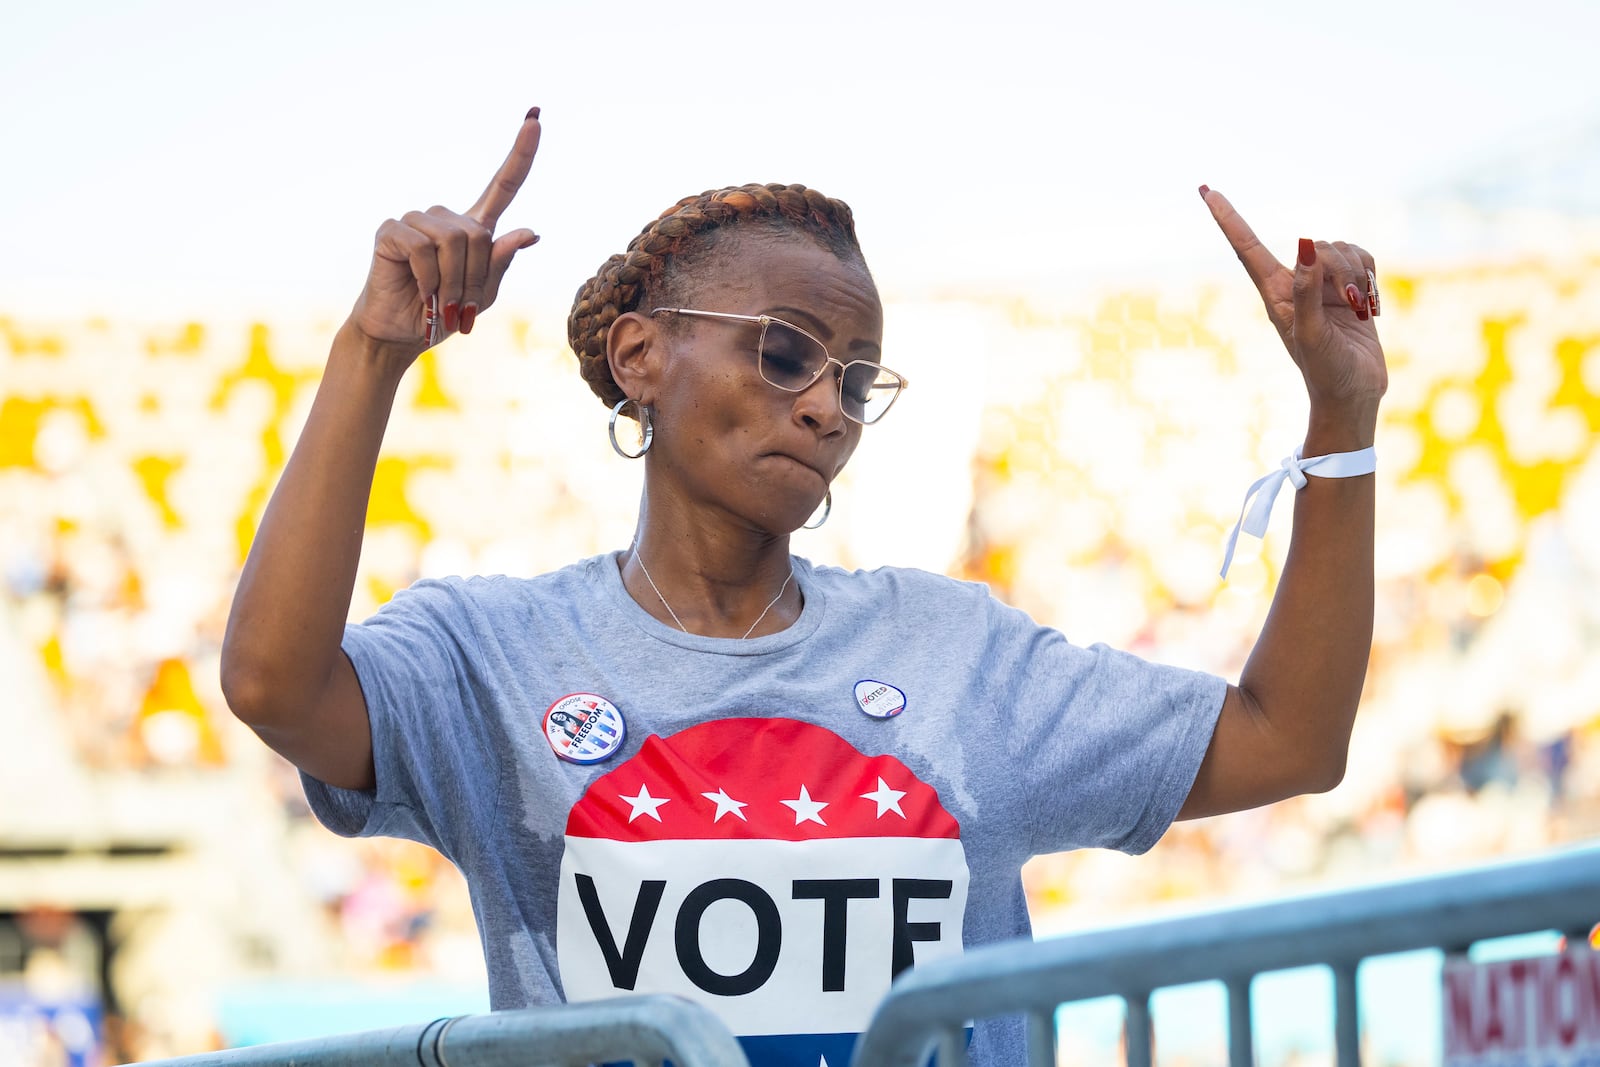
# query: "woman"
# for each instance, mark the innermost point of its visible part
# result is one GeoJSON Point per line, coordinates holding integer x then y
{"type": "Point", "coordinates": [701, 765]}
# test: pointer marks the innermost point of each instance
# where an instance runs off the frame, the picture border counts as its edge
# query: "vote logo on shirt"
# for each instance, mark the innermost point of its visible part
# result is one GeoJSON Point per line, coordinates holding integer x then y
{"type": "Point", "coordinates": [766, 869]}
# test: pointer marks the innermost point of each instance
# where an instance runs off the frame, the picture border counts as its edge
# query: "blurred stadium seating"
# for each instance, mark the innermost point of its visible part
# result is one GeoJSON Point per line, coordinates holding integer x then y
{"type": "Point", "coordinates": [154, 855]}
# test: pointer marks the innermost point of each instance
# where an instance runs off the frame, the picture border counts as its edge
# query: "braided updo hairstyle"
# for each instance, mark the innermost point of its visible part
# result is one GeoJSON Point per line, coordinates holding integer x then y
{"type": "Point", "coordinates": [662, 260]}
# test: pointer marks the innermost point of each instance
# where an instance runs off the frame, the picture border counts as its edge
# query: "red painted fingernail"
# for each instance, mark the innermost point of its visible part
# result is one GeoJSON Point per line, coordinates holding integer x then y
{"type": "Point", "coordinates": [1372, 303]}
{"type": "Point", "coordinates": [469, 314]}
{"type": "Point", "coordinates": [533, 113]}
{"type": "Point", "coordinates": [451, 315]}
{"type": "Point", "coordinates": [1204, 189]}
{"type": "Point", "coordinates": [1357, 302]}
{"type": "Point", "coordinates": [1308, 252]}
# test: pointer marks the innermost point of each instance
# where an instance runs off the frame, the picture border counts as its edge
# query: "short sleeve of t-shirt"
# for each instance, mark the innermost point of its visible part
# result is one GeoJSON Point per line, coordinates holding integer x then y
{"type": "Point", "coordinates": [1113, 741]}
{"type": "Point", "coordinates": [431, 742]}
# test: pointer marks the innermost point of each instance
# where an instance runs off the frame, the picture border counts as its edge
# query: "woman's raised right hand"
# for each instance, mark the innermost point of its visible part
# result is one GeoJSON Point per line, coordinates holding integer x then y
{"type": "Point", "coordinates": [453, 259]}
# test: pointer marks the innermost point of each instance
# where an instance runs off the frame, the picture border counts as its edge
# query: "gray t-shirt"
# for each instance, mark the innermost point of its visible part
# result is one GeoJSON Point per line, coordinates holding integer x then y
{"type": "Point", "coordinates": [774, 827]}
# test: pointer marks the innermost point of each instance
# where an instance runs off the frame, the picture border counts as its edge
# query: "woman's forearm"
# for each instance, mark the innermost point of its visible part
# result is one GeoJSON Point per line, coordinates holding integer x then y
{"type": "Point", "coordinates": [287, 621]}
{"type": "Point", "coordinates": [1305, 674]}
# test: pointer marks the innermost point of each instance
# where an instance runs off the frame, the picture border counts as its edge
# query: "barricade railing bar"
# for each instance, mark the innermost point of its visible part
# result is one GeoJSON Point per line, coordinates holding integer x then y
{"type": "Point", "coordinates": [645, 1030]}
{"type": "Point", "coordinates": [929, 1005]}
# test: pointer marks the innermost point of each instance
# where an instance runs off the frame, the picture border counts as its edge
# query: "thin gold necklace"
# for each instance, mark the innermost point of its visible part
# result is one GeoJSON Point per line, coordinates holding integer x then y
{"type": "Point", "coordinates": [783, 589]}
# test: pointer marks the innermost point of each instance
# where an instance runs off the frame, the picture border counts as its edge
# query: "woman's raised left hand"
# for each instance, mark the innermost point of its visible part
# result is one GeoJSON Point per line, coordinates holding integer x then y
{"type": "Point", "coordinates": [1323, 309]}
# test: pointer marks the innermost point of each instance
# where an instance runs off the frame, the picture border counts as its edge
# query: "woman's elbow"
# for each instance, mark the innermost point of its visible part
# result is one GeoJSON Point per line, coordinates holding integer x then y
{"type": "Point", "coordinates": [248, 684]}
{"type": "Point", "coordinates": [1323, 769]}
{"type": "Point", "coordinates": [242, 687]}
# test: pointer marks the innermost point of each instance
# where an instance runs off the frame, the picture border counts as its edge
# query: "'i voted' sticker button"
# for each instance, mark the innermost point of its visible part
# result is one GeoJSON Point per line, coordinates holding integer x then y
{"type": "Point", "coordinates": [879, 699]}
{"type": "Point", "coordinates": [584, 728]}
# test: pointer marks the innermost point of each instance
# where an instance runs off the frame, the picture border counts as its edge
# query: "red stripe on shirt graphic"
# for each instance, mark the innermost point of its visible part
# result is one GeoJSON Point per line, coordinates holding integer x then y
{"type": "Point", "coordinates": [765, 868]}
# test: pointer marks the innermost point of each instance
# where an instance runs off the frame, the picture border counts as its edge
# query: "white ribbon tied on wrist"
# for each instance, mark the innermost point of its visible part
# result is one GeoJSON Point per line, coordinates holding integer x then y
{"type": "Point", "coordinates": [1253, 516]}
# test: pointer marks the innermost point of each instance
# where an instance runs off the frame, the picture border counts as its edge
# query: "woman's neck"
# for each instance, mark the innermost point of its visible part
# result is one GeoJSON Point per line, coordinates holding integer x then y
{"type": "Point", "coordinates": [709, 575]}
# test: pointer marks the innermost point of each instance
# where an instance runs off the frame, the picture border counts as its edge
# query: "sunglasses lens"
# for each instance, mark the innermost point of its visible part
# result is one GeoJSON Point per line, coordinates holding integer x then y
{"type": "Point", "coordinates": [868, 390]}
{"type": "Point", "coordinates": [789, 359]}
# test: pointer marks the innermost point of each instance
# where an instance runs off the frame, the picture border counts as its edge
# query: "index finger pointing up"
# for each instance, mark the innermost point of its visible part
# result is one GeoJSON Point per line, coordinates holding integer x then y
{"type": "Point", "coordinates": [507, 181]}
{"type": "Point", "coordinates": [1258, 262]}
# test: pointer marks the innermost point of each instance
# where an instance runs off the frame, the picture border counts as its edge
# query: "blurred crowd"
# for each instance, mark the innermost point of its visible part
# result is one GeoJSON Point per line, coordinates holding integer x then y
{"type": "Point", "coordinates": [1113, 445]}
{"type": "Point", "coordinates": [1096, 507]}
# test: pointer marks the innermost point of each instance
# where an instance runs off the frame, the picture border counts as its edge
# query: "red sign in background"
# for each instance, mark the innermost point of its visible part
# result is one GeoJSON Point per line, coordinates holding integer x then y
{"type": "Point", "coordinates": [1538, 1012]}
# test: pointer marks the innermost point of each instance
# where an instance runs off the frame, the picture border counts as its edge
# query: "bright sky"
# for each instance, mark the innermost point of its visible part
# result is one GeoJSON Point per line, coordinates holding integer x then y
{"type": "Point", "coordinates": [190, 157]}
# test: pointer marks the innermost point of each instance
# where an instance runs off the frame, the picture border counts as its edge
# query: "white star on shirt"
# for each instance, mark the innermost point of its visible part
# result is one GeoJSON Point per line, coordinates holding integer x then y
{"type": "Point", "coordinates": [887, 799]}
{"type": "Point", "coordinates": [644, 804]}
{"type": "Point", "coordinates": [805, 809]}
{"type": "Point", "coordinates": [725, 805]}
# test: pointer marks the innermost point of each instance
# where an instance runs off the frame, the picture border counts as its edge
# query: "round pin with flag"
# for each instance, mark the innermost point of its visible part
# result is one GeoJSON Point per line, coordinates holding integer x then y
{"type": "Point", "coordinates": [584, 728]}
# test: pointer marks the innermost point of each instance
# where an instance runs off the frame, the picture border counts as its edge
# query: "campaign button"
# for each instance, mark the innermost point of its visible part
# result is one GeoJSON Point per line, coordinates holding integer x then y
{"type": "Point", "coordinates": [584, 728]}
{"type": "Point", "coordinates": [879, 699]}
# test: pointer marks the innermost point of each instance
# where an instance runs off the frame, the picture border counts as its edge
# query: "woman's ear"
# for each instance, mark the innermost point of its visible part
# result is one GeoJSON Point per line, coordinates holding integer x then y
{"type": "Point", "coordinates": [633, 353]}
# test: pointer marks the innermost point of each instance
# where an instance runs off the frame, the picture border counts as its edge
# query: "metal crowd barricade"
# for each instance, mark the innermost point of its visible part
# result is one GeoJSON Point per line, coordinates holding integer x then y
{"type": "Point", "coordinates": [928, 1006]}
{"type": "Point", "coordinates": [644, 1029]}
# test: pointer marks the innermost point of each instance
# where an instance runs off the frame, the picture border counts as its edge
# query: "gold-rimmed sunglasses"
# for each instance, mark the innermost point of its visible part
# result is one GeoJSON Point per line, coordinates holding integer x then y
{"type": "Point", "coordinates": [790, 359]}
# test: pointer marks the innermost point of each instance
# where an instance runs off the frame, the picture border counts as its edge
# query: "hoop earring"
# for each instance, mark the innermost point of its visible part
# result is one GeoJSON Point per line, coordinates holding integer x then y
{"type": "Point", "coordinates": [645, 427]}
{"type": "Point", "coordinates": [827, 509]}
